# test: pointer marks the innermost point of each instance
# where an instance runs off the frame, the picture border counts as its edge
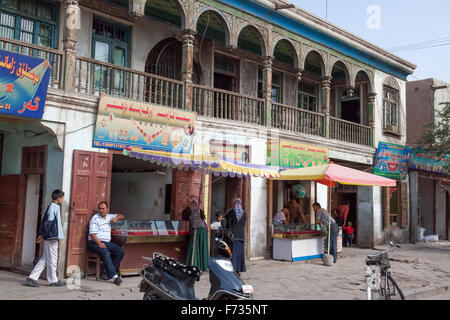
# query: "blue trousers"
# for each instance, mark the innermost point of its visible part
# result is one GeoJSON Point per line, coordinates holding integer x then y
{"type": "Point", "coordinates": [111, 263]}
{"type": "Point", "coordinates": [333, 241]}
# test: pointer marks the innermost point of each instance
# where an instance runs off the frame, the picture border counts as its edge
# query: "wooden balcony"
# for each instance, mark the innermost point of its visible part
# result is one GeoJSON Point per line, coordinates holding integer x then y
{"type": "Point", "coordinates": [350, 132]}
{"type": "Point", "coordinates": [289, 118]}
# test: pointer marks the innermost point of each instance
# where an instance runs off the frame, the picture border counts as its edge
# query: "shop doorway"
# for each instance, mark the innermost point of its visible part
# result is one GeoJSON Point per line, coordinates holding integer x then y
{"type": "Point", "coordinates": [351, 197]}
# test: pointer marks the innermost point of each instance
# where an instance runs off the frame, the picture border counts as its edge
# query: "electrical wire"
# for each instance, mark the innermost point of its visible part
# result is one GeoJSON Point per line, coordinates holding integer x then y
{"type": "Point", "coordinates": [423, 45]}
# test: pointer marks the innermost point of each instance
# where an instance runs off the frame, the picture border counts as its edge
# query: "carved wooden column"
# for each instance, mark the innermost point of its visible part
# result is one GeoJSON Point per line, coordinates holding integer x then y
{"type": "Point", "coordinates": [187, 68]}
{"type": "Point", "coordinates": [326, 96]}
{"type": "Point", "coordinates": [371, 110]}
{"type": "Point", "coordinates": [70, 42]}
{"type": "Point", "coordinates": [267, 88]}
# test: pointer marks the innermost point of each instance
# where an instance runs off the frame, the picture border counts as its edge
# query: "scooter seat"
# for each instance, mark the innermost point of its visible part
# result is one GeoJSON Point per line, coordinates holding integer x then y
{"type": "Point", "coordinates": [176, 268]}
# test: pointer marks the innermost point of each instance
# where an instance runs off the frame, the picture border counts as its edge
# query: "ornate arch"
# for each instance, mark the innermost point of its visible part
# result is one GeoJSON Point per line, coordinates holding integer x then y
{"type": "Point", "coordinates": [306, 50]}
{"type": "Point", "coordinates": [241, 25]}
{"type": "Point", "coordinates": [227, 19]}
{"type": "Point", "coordinates": [369, 76]}
{"type": "Point", "coordinates": [349, 79]}
{"type": "Point", "coordinates": [392, 83]}
{"type": "Point", "coordinates": [279, 37]}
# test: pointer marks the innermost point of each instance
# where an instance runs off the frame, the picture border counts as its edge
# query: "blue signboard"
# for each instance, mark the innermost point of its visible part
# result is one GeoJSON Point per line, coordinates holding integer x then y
{"type": "Point", "coordinates": [392, 160]}
{"type": "Point", "coordinates": [424, 160]}
{"type": "Point", "coordinates": [23, 84]}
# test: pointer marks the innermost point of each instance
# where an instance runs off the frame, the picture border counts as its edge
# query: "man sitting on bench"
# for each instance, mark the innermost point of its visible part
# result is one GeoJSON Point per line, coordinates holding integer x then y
{"type": "Point", "coordinates": [99, 241]}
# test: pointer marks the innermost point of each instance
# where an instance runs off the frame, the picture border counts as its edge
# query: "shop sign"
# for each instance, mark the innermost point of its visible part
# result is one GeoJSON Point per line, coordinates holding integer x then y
{"type": "Point", "coordinates": [124, 123]}
{"type": "Point", "coordinates": [392, 160]}
{"type": "Point", "coordinates": [225, 149]}
{"type": "Point", "coordinates": [23, 84]}
{"type": "Point", "coordinates": [423, 160]}
{"type": "Point", "coordinates": [285, 153]}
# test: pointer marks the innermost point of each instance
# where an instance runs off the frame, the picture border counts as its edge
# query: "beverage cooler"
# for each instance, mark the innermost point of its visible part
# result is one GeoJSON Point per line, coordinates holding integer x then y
{"type": "Point", "coordinates": [141, 238]}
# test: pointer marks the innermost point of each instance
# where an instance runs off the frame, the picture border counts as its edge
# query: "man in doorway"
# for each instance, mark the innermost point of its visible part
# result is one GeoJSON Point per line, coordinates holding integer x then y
{"type": "Point", "coordinates": [50, 232]}
{"type": "Point", "coordinates": [99, 241]}
{"type": "Point", "coordinates": [325, 219]}
{"type": "Point", "coordinates": [341, 213]}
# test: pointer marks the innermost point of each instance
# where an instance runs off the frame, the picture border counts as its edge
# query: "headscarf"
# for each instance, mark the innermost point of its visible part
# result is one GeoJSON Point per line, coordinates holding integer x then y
{"type": "Point", "coordinates": [238, 211]}
{"type": "Point", "coordinates": [195, 215]}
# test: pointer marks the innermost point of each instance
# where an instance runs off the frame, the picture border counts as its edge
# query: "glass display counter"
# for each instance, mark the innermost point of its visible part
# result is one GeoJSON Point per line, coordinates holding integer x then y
{"type": "Point", "coordinates": [141, 238]}
{"type": "Point", "coordinates": [297, 242]}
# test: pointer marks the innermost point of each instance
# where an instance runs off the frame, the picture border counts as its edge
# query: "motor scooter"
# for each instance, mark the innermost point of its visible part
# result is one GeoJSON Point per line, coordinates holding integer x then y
{"type": "Point", "coordinates": [169, 279]}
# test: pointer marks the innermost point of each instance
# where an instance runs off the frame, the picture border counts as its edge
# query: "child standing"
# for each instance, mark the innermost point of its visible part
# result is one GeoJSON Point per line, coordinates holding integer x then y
{"type": "Point", "coordinates": [348, 234]}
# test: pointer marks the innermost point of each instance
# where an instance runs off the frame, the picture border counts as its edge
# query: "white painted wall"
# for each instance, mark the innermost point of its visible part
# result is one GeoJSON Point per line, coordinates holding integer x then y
{"type": "Point", "coordinates": [322, 196]}
{"type": "Point", "coordinates": [31, 219]}
{"type": "Point", "coordinates": [139, 196]}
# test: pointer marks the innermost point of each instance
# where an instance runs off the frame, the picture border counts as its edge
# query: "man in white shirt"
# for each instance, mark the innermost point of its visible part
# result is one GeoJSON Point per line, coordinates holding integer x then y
{"type": "Point", "coordinates": [99, 241]}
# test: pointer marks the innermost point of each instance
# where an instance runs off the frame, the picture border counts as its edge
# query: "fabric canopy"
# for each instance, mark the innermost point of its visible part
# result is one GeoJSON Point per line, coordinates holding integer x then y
{"type": "Point", "coordinates": [215, 165]}
{"type": "Point", "coordinates": [328, 174]}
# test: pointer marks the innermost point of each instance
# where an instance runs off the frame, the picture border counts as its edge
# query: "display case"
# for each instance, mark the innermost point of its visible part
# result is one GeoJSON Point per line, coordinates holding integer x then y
{"type": "Point", "coordinates": [296, 231]}
{"type": "Point", "coordinates": [141, 238]}
{"type": "Point", "coordinates": [297, 242]}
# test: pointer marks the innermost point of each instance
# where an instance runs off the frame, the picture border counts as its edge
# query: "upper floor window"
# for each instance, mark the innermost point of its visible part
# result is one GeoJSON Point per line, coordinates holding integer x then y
{"type": "Point", "coordinates": [30, 21]}
{"type": "Point", "coordinates": [307, 96]}
{"type": "Point", "coordinates": [110, 42]}
{"type": "Point", "coordinates": [391, 100]}
{"type": "Point", "coordinates": [277, 87]}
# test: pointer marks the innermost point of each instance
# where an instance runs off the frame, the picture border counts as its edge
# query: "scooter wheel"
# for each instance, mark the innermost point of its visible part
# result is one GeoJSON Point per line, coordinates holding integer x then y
{"type": "Point", "coordinates": [151, 295]}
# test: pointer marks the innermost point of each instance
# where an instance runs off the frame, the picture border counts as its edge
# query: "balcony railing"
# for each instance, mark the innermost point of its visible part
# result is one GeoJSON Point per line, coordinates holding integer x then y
{"type": "Point", "coordinates": [228, 105]}
{"type": "Point", "coordinates": [298, 120]}
{"type": "Point", "coordinates": [95, 77]}
{"type": "Point", "coordinates": [350, 132]}
{"type": "Point", "coordinates": [54, 56]}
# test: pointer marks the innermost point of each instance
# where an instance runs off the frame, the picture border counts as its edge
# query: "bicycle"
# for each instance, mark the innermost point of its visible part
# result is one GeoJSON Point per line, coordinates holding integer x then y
{"type": "Point", "coordinates": [380, 284]}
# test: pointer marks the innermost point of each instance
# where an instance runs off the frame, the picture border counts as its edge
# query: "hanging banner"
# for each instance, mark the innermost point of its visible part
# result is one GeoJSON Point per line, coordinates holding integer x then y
{"type": "Point", "coordinates": [423, 160]}
{"type": "Point", "coordinates": [392, 160]}
{"type": "Point", "coordinates": [285, 153]}
{"type": "Point", "coordinates": [124, 123]}
{"type": "Point", "coordinates": [23, 84]}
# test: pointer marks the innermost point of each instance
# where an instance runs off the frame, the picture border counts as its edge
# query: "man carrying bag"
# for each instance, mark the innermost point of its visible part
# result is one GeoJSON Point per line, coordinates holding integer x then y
{"type": "Point", "coordinates": [50, 232]}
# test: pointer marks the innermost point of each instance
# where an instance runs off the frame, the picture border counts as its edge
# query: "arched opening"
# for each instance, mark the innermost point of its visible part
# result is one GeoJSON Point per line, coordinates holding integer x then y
{"type": "Point", "coordinates": [314, 65]}
{"type": "Point", "coordinates": [165, 59]}
{"type": "Point", "coordinates": [308, 91]}
{"type": "Point", "coordinates": [212, 25]}
{"type": "Point", "coordinates": [364, 84]}
{"type": "Point", "coordinates": [251, 40]}
{"type": "Point", "coordinates": [165, 10]}
{"type": "Point", "coordinates": [347, 101]}
{"type": "Point", "coordinates": [285, 52]}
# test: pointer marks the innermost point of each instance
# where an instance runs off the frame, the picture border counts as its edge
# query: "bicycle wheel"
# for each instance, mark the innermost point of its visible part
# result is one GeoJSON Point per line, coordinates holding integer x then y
{"type": "Point", "coordinates": [393, 291]}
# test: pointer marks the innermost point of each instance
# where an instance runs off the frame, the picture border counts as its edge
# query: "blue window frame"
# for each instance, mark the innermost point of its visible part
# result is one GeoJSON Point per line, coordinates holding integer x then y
{"type": "Point", "coordinates": [30, 21]}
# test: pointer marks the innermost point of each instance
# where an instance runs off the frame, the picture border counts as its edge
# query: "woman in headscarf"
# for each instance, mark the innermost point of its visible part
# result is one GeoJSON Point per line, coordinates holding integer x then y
{"type": "Point", "coordinates": [236, 219]}
{"type": "Point", "coordinates": [198, 245]}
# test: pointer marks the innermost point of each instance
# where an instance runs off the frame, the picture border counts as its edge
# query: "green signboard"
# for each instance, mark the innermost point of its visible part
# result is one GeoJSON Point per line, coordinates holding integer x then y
{"type": "Point", "coordinates": [285, 153]}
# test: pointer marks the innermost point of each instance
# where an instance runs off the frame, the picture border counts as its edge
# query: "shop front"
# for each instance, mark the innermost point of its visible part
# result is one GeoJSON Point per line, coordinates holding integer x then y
{"type": "Point", "coordinates": [300, 238]}
{"type": "Point", "coordinates": [30, 161]}
{"type": "Point", "coordinates": [430, 201]}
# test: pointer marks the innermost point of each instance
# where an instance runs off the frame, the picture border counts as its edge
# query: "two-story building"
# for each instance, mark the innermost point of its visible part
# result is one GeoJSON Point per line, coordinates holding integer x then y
{"type": "Point", "coordinates": [253, 71]}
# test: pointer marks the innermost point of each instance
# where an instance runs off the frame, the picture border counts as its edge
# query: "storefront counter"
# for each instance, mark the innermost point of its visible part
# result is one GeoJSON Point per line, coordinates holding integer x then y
{"type": "Point", "coordinates": [142, 238]}
{"type": "Point", "coordinates": [297, 243]}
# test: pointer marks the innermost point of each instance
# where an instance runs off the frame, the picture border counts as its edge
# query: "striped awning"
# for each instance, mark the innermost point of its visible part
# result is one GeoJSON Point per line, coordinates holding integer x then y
{"type": "Point", "coordinates": [216, 165]}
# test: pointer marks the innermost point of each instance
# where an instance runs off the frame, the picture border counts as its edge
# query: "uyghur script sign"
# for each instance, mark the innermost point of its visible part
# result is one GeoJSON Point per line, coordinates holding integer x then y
{"type": "Point", "coordinates": [23, 84]}
{"type": "Point", "coordinates": [392, 160]}
{"type": "Point", "coordinates": [424, 160]}
{"type": "Point", "coordinates": [291, 154]}
{"type": "Point", "coordinates": [124, 123]}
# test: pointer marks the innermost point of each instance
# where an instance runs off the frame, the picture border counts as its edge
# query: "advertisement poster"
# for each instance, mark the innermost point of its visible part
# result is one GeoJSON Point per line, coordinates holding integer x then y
{"type": "Point", "coordinates": [285, 153]}
{"type": "Point", "coordinates": [23, 84]}
{"type": "Point", "coordinates": [392, 160]}
{"type": "Point", "coordinates": [124, 123]}
{"type": "Point", "coordinates": [423, 160]}
{"type": "Point", "coordinates": [230, 151]}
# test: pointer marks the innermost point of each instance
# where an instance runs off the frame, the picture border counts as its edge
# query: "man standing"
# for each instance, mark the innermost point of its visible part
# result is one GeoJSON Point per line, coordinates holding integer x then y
{"type": "Point", "coordinates": [342, 212]}
{"type": "Point", "coordinates": [50, 232]}
{"type": "Point", "coordinates": [325, 219]}
{"type": "Point", "coordinates": [99, 241]}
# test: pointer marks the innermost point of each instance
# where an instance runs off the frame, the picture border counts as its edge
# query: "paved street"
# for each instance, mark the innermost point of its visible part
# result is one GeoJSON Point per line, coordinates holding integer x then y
{"type": "Point", "coordinates": [418, 269]}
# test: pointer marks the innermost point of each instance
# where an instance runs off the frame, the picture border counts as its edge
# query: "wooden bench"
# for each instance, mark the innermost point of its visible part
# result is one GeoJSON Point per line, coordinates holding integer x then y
{"type": "Point", "coordinates": [93, 257]}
